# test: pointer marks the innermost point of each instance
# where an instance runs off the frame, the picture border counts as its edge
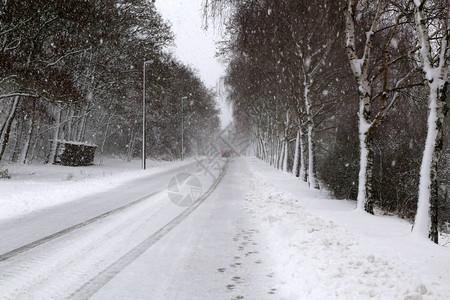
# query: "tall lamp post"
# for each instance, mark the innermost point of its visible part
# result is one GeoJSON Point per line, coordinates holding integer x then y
{"type": "Point", "coordinates": [182, 127]}
{"type": "Point", "coordinates": [144, 165]}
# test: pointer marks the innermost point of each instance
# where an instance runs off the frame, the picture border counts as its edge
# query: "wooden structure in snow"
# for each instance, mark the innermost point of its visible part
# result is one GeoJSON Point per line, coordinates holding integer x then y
{"type": "Point", "coordinates": [70, 153]}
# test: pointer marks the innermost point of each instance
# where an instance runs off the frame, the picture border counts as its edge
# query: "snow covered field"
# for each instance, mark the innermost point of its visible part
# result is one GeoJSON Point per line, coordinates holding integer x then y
{"type": "Point", "coordinates": [37, 186]}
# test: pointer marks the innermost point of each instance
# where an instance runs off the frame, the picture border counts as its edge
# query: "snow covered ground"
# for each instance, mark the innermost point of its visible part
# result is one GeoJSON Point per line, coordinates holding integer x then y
{"type": "Point", "coordinates": [262, 234]}
{"type": "Point", "coordinates": [38, 186]}
{"type": "Point", "coordinates": [325, 249]}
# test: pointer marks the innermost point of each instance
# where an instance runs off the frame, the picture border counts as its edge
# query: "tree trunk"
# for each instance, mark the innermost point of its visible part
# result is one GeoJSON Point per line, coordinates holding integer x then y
{"type": "Point", "coordinates": [296, 154]}
{"type": "Point", "coordinates": [6, 128]}
{"type": "Point", "coordinates": [280, 153]}
{"type": "Point", "coordinates": [272, 151]}
{"type": "Point", "coordinates": [82, 124]}
{"type": "Point", "coordinates": [105, 137]}
{"type": "Point", "coordinates": [310, 138]}
{"type": "Point", "coordinates": [69, 124]}
{"type": "Point", "coordinates": [19, 125]}
{"type": "Point", "coordinates": [277, 153]}
{"type": "Point", "coordinates": [303, 166]}
{"type": "Point", "coordinates": [35, 143]}
{"type": "Point", "coordinates": [285, 143]}
{"type": "Point", "coordinates": [131, 148]}
{"type": "Point", "coordinates": [260, 142]}
{"type": "Point", "coordinates": [365, 197]}
{"type": "Point", "coordinates": [26, 144]}
{"type": "Point", "coordinates": [261, 147]}
{"type": "Point", "coordinates": [54, 148]}
{"type": "Point", "coordinates": [436, 78]}
{"type": "Point", "coordinates": [311, 176]}
{"type": "Point", "coordinates": [266, 147]}
{"type": "Point", "coordinates": [426, 220]}
{"type": "Point", "coordinates": [360, 69]}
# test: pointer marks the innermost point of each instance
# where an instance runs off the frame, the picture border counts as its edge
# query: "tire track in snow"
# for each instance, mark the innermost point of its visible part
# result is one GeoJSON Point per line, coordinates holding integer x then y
{"type": "Point", "coordinates": [102, 278]}
{"type": "Point", "coordinates": [55, 235]}
{"type": "Point", "coordinates": [59, 269]}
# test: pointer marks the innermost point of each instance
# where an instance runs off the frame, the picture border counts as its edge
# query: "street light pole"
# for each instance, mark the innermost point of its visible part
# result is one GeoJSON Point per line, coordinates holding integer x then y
{"type": "Point", "coordinates": [144, 165]}
{"type": "Point", "coordinates": [182, 128]}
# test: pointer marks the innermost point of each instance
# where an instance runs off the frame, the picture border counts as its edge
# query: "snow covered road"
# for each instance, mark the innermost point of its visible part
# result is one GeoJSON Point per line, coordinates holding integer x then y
{"type": "Point", "coordinates": [261, 234]}
{"type": "Point", "coordinates": [218, 252]}
{"type": "Point", "coordinates": [28, 228]}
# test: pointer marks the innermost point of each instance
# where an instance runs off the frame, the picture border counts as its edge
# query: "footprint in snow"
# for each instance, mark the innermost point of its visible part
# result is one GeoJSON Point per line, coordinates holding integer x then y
{"type": "Point", "coordinates": [235, 265]}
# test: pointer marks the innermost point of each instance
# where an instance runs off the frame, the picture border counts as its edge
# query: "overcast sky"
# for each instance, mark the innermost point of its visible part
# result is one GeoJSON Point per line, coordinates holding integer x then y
{"type": "Point", "coordinates": [193, 45]}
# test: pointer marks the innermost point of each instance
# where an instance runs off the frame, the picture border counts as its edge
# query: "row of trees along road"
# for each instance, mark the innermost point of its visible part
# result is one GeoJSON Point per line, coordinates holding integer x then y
{"type": "Point", "coordinates": [73, 70]}
{"type": "Point", "coordinates": [351, 94]}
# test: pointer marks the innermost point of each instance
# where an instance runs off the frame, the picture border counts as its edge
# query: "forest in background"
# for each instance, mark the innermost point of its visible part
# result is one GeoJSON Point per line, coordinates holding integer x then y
{"type": "Point", "coordinates": [72, 70]}
{"type": "Point", "coordinates": [350, 95]}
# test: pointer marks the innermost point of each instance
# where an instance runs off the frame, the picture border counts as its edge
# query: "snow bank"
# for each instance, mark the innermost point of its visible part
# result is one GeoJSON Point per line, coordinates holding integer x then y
{"type": "Point", "coordinates": [33, 187]}
{"type": "Point", "coordinates": [328, 250]}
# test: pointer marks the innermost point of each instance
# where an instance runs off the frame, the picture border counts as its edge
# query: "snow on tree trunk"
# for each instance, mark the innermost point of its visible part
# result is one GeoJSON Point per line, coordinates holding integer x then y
{"type": "Point", "coordinates": [6, 128]}
{"type": "Point", "coordinates": [280, 152]}
{"type": "Point", "coordinates": [436, 78]}
{"type": "Point", "coordinates": [271, 153]}
{"type": "Point", "coordinates": [426, 220]}
{"type": "Point", "coordinates": [285, 156]}
{"type": "Point", "coordinates": [262, 147]}
{"type": "Point", "coordinates": [258, 146]}
{"type": "Point", "coordinates": [311, 177]}
{"type": "Point", "coordinates": [303, 166]}
{"type": "Point", "coordinates": [266, 147]}
{"type": "Point", "coordinates": [296, 154]}
{"type": "Point", "coordinates": [26, 144]}
{"type": "Point", "coordinates": [310, 138]}
{"type": "Point", "coordinates": [130, 148]}
{"type": "Point", "coordinates": [37, 129]}
{"type": "Point", "coordinates": [19, 128]}
{"type": "Point", "coordinates": [69, 123]}
{"type": "Point", "coordinates": [364, 199]}
{"type": "Point", "coordinates": [359, 68]}
{"type": "Point", "coordinates": [285, 143]}
{"type": "Point", "coordinates": [82, 124]}
{"type": "Point", "coordinates": [51, 158]}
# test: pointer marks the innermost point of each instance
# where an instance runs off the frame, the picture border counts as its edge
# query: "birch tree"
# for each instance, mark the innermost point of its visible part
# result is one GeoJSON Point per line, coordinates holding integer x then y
{"type": "Point", "coordinates": [360, 67]}
{"type": "Point", "coordinates": [366, 73]}
{"type": "Point", "coordinates": [433, 40]}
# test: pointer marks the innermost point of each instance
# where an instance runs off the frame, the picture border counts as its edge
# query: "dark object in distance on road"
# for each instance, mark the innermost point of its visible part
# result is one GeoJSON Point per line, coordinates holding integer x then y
{"type": "Point", "coordinates": [227, 153]}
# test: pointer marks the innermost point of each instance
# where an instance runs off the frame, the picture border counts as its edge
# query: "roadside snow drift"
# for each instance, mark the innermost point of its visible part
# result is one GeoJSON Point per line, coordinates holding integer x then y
{"type": "Point", "coordinates": [328, 250]}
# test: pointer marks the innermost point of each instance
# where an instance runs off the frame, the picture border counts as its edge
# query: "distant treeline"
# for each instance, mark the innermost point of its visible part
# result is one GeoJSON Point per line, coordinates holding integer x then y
{"type": "Point", "coordinates": [73, 70]}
